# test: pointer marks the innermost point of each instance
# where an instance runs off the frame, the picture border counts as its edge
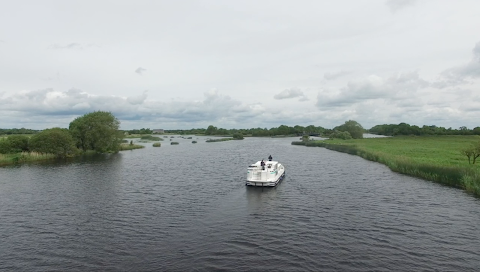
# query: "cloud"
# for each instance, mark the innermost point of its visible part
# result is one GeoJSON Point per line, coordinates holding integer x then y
{"type": "Point", "coordinates": [140, 70]}
{"type": "Point", "coordinates": [49, 104]}
{"type": "Point", "coordinates": [136, 100]}
{"type": "Point", "coordinates": [458, 75]}
{"type": "Point", "coordinates": [335, 75]}
{"type": "Point", "coordinates": [399, 86]}
{"type": "Point", "coordinates": [291, 93]}
{"type": "Point", "coordinates": [396, 5]}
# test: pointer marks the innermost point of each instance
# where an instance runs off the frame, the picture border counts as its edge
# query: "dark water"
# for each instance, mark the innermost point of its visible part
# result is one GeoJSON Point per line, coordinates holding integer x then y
{"type": "Point", "coordinates": [186, 208]}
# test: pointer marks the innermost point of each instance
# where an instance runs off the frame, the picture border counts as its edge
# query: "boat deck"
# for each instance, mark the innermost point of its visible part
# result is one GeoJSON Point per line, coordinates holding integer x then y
{"type": "Point", "coordinates": [269, 175]}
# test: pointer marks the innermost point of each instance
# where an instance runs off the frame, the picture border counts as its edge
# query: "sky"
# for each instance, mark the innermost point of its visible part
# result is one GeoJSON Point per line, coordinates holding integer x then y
{"type": "Point", "coordinates": [240, 64]}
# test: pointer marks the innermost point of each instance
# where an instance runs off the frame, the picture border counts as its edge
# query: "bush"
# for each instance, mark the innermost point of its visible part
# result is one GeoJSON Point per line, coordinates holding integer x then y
{"type": "Point", "coordinates": [14, 144]}
{"type": "Point", "coordinates": [157, 144]}
{"type": "Point", "coordinates": [344, 135]}
{"type": "Point", "coordinates": [57, 141]}
{"type": "Point", "coordinates": [238, 136]}
{"type": "Point", "coordinates": [4, 146]}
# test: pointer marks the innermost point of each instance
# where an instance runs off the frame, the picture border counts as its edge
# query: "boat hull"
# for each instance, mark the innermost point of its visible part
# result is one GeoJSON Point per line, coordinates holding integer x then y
{"type": "Point", "coordinates": [263, 183]}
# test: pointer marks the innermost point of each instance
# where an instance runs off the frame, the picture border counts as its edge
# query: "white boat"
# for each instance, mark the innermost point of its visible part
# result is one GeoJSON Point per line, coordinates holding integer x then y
{"type": "Point", "coordinates": [268, 175]}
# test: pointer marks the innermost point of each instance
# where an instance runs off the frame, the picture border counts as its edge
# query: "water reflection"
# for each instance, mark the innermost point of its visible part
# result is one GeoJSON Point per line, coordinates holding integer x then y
{"type": "Point", "coordinates": [261, 197]}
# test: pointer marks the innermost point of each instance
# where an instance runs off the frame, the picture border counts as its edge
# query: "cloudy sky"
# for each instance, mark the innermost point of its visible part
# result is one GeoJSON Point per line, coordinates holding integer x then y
{"type": "Point", "coordinates": [240, 64]}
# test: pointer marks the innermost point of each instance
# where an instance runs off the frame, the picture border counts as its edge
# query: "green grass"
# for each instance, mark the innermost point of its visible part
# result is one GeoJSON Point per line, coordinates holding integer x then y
{"type": "Point", "coordinates": [219, 140]}
{"type": "Point", "coordinates": [151, 138]}
{"type": "Point", "coordinates": [435, 158]}
{"type": "Point", "coordinates": [130, 146]}
{"type": "Point", "coordinates": [8, 159]}
{"type": "Point", "coordinates": [157, 145]}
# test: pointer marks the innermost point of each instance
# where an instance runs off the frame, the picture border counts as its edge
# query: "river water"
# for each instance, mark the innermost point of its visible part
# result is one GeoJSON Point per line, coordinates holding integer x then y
{"type": "Point", "coordinates": [186, 208]}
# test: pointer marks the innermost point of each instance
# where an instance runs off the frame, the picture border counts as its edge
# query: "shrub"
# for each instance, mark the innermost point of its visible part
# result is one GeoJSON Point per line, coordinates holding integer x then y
{"type": "Point", "coordinates": [157, 144]}
{"type": "Point", "coordinates": [57, 141]}
{"type": "Point", "coordinates": [344, 135]}
{"type": "Point", "coordinates": [238, 136]}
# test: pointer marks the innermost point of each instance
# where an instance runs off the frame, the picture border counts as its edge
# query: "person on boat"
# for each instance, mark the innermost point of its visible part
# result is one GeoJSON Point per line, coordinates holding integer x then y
{"type": "Point", "coordinates": [262, 163]}
{"type": "Point", "coordinates": [270, 158]}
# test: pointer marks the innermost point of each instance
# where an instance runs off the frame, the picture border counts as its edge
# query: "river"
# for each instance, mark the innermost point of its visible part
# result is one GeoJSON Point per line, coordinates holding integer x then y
{"type": "Point", "coordinates": [186, 208]}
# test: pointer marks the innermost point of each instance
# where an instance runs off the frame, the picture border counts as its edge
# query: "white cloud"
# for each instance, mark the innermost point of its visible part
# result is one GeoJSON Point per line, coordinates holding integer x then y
{"type": "Point", "coordinates": [399, 86]}
{"type": "Point", "coordinates": [135, 100]}
{"type": "Point", "coordinates": [291, 93]}
{"type": "Point", "coordinates": [460, 74]}
{"type": "Point", "coordinates": [74, 102]}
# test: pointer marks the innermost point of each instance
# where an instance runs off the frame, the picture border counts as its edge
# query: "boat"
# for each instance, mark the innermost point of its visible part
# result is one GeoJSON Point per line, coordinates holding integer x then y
{"type": "Point", "coordinates": [268, 175]}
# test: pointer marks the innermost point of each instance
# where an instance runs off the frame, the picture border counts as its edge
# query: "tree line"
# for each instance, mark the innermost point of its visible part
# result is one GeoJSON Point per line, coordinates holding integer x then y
{"type": "Point", "coordinates": [97, 131]}
{"type": "Point", "coordinates": [406, 129]}
{"type": "Point", "coordinates": [350, 129]}
{"type": "Point", "coordinates": [354, 129]}
{"type": "Point", "coordinates": [6, 131]}
{"type": "Point", "coordinates": [255, 132]}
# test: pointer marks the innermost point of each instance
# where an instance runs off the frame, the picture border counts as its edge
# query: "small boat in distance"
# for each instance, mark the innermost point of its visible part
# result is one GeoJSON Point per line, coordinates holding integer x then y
{"type": "Point", "coordinates": [265, 173]}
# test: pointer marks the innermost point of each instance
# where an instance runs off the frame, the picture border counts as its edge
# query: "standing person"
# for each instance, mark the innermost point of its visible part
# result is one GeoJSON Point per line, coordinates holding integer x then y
{"type": "Point", "coordinates": [262, 163]}
{"type": "Point", "coordinates": [270, 158]}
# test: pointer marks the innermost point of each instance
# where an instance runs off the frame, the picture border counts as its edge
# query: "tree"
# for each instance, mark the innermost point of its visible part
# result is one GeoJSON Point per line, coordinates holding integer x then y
{"type": "Point", "coordinates": [57, 141]}
{"type": "Point", "coordinates": [344, 135]}
{"type": "Point", "coordinates": [476, 131]}
{"type": "Point", "coordinates": [96, 131]}
{"type": "Point", "coordinates": [472, 152]}
{"type": "Point", "coordinates": [211, 130]}
{"type": "Point", "coordinates": [14, 144]}
{"type": "Point", "coordinates": [353, 127]}
{"type": "Point", "coordinates": [238, 136]}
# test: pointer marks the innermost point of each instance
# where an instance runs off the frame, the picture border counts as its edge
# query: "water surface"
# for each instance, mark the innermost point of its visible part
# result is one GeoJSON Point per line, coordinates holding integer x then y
{"type": "Point", "coordinates": [186, 208]}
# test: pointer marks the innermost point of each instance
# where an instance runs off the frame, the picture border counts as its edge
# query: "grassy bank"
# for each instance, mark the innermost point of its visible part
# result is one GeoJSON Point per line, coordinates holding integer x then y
{"type": "Point", "coordinates": [436, 158]}
{"type": "Point", "coordinates": [8, 159]}
{"type": "Point", "coordinates": [130, 146]}
{"type": "Point", "coordinates": [218, 140]}
{"type": "Point", "coordinates": [24, 157]}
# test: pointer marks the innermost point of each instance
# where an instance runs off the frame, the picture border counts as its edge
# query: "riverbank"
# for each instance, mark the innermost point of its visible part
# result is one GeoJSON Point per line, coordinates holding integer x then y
{"type": "Point", "coordinates": [9, 159]}
{"type": "Point", "coordinates": [436, 158]}
{"type": "Point", "coordinates": [26, 157]}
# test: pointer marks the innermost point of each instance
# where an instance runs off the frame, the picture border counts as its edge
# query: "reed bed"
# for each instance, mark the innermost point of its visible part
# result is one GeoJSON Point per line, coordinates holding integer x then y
{"type": "Point", "coordinates": [219, 140]}
{"type": "Point", "coordinates": [151, 138]}
{"type": "Point", "coordinates": [6, 159]}
{"type": "Point", "coordinates": [130, 147]}
{"type": "Point", "coordinates": [436, 158]}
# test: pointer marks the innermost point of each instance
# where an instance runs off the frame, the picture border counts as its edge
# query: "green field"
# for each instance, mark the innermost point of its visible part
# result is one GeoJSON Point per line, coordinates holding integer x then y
{"type": "Point", "coordinates": [435, 158]}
